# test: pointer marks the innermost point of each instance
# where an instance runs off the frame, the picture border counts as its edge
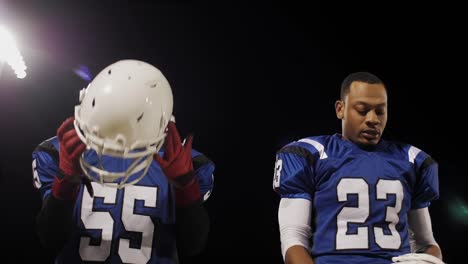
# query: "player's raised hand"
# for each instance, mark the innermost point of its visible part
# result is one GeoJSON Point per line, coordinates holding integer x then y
{"type": "Point", "coordinates": [71, 148]}
{"type": "Point", "coordinates": [69, 175]}
{"type": "Point", "coordinates": [176, 162]}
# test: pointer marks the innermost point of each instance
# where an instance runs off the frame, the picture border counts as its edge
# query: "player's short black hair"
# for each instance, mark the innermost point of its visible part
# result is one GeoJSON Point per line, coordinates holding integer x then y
{"type": "Point", "coordinates": [366, 77]}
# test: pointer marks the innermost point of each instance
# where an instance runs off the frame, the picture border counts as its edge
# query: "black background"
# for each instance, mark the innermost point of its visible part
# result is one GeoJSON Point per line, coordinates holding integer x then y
{"type": "Point", "coordinates": [247, 78]}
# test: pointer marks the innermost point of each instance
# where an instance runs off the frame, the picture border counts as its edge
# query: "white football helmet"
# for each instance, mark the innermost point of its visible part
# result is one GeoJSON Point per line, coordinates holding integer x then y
{"type": "Point", "coordinates": [123, 113]}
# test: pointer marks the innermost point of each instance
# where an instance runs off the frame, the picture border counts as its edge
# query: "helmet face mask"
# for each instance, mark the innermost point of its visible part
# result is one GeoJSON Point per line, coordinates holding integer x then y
{"type": "Point", "coordinates": [123, 113]}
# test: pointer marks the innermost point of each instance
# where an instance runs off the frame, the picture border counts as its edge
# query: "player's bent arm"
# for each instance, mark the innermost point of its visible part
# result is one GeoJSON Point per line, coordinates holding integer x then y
{"type": "Point", "coordinates": [420, 224]}
{"type": "Point", "coordinates": [192, 219]}
{"type": "Point", "coordinates": [192, 228]}
{"type": "Point", "coordinates": [295, 230]}
{"type": "Point", "coordinates": [54, 222]}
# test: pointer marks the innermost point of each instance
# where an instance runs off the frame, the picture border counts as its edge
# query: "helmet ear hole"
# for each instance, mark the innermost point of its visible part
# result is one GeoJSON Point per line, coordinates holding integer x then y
{"type": "Point", "coordinates": [94, 102]}
{"type": "Point", "coordinates": [140, 117]}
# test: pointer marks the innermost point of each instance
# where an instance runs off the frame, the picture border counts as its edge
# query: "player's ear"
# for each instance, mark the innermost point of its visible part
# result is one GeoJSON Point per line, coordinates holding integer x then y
{"type": "Point", "coordinates": [339, 108]}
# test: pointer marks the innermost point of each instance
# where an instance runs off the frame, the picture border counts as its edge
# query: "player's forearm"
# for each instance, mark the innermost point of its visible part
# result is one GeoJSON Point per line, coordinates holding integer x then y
{"type": "Point", "coordinates": [54, 222]}
{"type": "Point", "coordinates": [420, 223]}
{"type": "Point", "coordinates": [192, 226]}
{"type": "Point", "coordinates": [433, 250]}
{"type": "Point", "coordinates": [298, 255]}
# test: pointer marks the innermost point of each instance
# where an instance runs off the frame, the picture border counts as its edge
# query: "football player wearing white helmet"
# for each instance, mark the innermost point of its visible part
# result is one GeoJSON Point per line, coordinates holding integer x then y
{"type": "Point", "coordinates": [117, 183]}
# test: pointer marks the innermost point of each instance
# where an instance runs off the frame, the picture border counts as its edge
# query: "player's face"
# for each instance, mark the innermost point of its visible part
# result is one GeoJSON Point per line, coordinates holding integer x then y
{"type": "Point", "coordinates": [363, 113]}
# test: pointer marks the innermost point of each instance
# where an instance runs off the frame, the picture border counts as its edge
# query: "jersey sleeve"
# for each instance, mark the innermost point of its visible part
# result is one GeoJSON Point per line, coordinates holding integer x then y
{"type": "Point", "coordinates": [426, 188]}
{"type": "Point", "coordinates": [45, 165]}
{"type": "Point", "coordinates": [294, 172]}
{"type": "Point", "coordinates": [204, 169]}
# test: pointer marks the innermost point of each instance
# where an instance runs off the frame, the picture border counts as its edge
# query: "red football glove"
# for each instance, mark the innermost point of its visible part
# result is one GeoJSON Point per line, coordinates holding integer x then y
{"type": "Point", "coordinates": [178, 168]}
{"type": "Point", "coordinates": [69, 175]}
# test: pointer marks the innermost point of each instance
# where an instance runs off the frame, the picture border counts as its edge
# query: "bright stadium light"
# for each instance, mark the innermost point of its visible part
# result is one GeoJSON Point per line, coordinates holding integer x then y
{"type": "Point", "coordinates": [10, 54]}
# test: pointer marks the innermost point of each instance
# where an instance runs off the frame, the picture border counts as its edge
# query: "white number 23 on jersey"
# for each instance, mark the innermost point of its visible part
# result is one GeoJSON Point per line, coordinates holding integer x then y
{"type": "Point", "coordinates": [359, 214]}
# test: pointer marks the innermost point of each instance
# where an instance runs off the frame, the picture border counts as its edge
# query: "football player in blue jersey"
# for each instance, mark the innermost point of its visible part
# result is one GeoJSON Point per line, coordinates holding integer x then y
{"type": "Point", "coordinates": [355, 197]}
{"type": "Point", "coordinates": [117, 183]}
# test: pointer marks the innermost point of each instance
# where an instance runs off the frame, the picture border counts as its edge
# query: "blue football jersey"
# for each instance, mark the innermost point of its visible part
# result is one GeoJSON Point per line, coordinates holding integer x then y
{"type": "Point", "coordinates": [360, 198]}
{"type": "Point", "coordinates": [135, 224]}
